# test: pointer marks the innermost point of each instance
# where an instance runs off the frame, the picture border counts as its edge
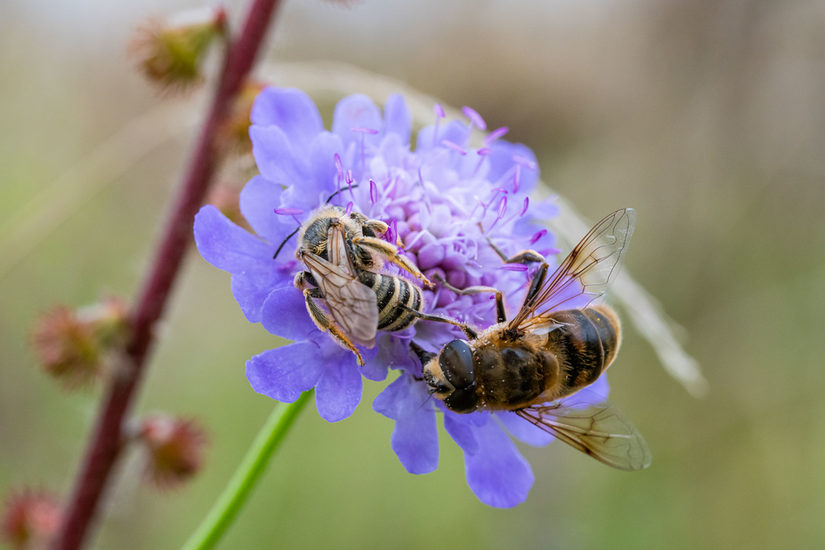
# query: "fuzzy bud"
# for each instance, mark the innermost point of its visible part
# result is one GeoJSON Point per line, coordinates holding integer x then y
{"type": "Point", "coordinates": [30, 518]}
{"type": "Point", "coordinates": [74, 345]}
{"type": "Point", "coordinates": [234, 134]}
{"type": "Point", "coordinates": [170, 53]}
{"type": "Point", "coordinates": [174, 449]}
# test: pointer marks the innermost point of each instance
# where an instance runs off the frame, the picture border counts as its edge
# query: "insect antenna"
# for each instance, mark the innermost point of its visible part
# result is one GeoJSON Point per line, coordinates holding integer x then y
{"type": "Point", "coordinates": [275, 256]}
{"type": "Point", "coordinates": [348, 188]}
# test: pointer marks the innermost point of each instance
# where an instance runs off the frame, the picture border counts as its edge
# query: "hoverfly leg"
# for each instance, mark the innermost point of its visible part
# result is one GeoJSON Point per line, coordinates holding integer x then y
{"type": "Point", "coordinates": [324, 323]}
{"type": "Point", "coordinates": [535, 285]}
{"type": "Point", "coordinates": [468, 331]}
{"type": "Point", "coordinates": [500, 313]}
{"type": "Point", "coordinates": [390, 252]}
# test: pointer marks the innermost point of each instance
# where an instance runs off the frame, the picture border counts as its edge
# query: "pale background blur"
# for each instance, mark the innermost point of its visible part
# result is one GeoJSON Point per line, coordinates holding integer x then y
{"type": "Point", "coordinates": [708, 116]}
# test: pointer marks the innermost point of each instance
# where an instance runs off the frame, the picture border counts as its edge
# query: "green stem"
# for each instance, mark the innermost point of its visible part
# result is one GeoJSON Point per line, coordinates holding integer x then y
{"type": "Point", "coordinates": [225, 509]}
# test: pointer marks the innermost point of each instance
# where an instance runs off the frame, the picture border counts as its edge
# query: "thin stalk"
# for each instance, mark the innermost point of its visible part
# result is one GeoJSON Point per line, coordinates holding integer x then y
{"type": "Point", "coordinates": [234, 496]}
{"type": "Point", "coordinates": [106, 441]}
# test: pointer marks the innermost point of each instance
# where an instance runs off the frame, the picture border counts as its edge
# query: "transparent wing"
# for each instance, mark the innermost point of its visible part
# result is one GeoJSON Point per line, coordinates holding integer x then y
{"type": "Point", "coordinates": [352, 305]}
{"type": "Point", "coordinates": [600, 431]}
{"type": "Point", "coordinates": [585, 272]}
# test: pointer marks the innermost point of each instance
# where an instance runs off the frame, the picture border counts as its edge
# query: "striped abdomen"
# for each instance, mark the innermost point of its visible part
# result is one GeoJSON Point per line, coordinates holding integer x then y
{"type": "Point", "coordinates": [536, 368]}
{"type": "Point", "coordinates": [584, 345]}
{"type": "Point", "coordinates": [391, 291]}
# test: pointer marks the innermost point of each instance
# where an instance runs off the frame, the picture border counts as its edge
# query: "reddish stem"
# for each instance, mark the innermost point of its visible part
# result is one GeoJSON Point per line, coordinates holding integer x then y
{"type": "Point", "coordinates": [105, 443]}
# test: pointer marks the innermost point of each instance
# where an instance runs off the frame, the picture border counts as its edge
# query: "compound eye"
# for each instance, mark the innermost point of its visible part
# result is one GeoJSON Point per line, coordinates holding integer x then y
{"type": "Point", "coordinates": [456, 362]}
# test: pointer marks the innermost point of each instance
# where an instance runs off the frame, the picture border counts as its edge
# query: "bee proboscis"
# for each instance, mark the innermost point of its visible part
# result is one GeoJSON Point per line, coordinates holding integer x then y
{"type": "Point", "coordinates": [539, 363]}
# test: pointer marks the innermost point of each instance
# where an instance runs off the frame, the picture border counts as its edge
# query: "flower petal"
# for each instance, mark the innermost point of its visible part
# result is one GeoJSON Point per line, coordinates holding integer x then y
{"type": "Point", "coordinates": [251, 290]}
{"type": "Point", "coordinates": [415, 437]}
{"type": "Point", "coordinates": [352, 115]}
{"type": "Point", "coordinates": [505, 156]}
{"type": "Point", "coordinates": [284, 314]}
{"type": "Point", "coordinates": [292, 111]}
{"type": "Point", "coordinates": [339, 390]}
{"type": "Point", "coordinates": [226, 245]}
{"type": "Point", "coordinates": [259, 199]}
{"type": "Point", "coordinates": [276, 159]}
{"type": "Point", "coordinates": [284, 373]}
{"type": "Point", "coordinates": [397, 118]}
{"type": "Point", "coordinates": [323, 172]}
{"type": "Point", "coordinates": [496, 472]}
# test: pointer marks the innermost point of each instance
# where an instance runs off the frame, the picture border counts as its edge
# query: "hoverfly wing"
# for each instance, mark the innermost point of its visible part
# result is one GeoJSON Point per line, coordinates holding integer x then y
{"type": "Point", "coordinates": [351, 304]}
{"type": "Point", "coordinates": [586, 271]}
{"type": "Point", "coordinates": [600, 431]}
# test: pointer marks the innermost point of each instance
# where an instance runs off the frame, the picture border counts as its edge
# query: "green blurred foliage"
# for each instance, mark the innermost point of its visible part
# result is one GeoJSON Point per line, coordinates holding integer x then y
{"type": "Point", "coordinates": [707, 116]}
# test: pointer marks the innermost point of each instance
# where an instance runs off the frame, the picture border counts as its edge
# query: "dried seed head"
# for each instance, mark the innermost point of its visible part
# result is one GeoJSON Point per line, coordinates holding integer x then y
{"type": "Point", "coordinates": [170, 53]}
{"type": "Point", "coordinates": [174, 449]}
{"type": "Point", "coordinates": [29, 519]}
{"type": "Point", "coordinates": [73, 345]}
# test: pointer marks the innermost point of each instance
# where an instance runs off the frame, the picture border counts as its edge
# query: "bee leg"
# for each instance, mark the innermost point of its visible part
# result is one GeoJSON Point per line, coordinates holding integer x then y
{"type": "Point", "coordinates": [377, 226]}
{"type": "Point", "coordinates": [468, 331]}
{"type": "Point", "coordinates": [500, 313]}
{"type": "Point", "coordinates": [325, 324]}
{"type": "Point", "coordinates": [390, 252]}
{"type": "Point", "coordinates": [304, 279]}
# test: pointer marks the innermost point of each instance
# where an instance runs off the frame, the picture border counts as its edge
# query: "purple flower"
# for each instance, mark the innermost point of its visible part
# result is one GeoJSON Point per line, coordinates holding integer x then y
{"type": "Point", "coordinates": [435, 199]}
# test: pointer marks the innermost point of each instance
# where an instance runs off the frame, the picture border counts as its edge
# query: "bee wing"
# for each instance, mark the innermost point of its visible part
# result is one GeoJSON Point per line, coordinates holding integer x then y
{"type": "Point", "coordinates": [586, 271]}
{"type": "Point", "coordinates": [600, 431]}
{"type": "Point", "coordinates": [352, 305]}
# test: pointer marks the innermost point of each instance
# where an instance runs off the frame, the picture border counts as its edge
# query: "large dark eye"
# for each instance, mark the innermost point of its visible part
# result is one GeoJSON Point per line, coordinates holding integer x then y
{"type": "Point", "coordinates": [462, 401]}
{"type": "Point", "coordinates": [456, 362]}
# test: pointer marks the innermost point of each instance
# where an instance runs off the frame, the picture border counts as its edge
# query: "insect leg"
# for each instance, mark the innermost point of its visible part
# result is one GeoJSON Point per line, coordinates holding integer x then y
{"type": "Point", "coordinates": [522, 257]}
{"type": "Point", "coordinates": [535, 285]}
{"type": "Point", "coordinates": [469, 331]}
{"type": "Point", "coordinates": [501, 314]}
{"type": "Point", "coordinates": [390, 252]}
{"type": "Point", "coordinates": [325, 324]}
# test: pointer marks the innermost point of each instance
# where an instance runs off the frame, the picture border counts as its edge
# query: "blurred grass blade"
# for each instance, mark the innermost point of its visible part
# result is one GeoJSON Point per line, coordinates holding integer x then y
{"type": "Point", "coordinates": [254, 463]}
{"type": "Point", "coordinates": [62, 198]}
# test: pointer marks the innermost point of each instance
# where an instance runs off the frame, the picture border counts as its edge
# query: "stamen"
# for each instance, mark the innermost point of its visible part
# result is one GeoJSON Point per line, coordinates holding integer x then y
{"type": "Point", "coordinates": [495, 134]}
{"type": "Point", "coordinates": [534, 239]}
{"type": "Point", "coordinates": [439, 114]}
{"type": "Point", "coordinates": [360, 130]}
{"type": "Point", "coordinates": [524, 161]}
{"type": "Point", "coordinates": [454, 146]}
{"type": "Point", "coordinates": [348, 210]}
{"type": "Point", "coordinates": [339, 167]}
{"type": "Point", "coordinates": [502, 208]}
{"type": "Point", "coordinates": [475, 118]}
{"type": "Point", "coordinates": [373, 192]}
{"type": "Point", "coordinates": [349, 183]}
{"type": "Point", "coordinates": [524, 208]}
{"type": "Point", "coordinates": [483, 152]}
{"type": "Point", "coordinates": [514, 267]}
{"type": "Point", "coordinates": [288, 211]}
{"type": "Point", "coordinates": [517, 178]}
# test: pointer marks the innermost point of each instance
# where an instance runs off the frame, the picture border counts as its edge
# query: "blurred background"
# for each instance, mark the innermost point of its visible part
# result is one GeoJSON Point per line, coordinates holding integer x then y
{"type": "Point", "coordinates": [707, 116]}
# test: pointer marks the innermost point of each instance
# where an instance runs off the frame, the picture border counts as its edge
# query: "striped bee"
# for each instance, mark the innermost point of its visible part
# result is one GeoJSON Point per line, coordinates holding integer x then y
{"type": "Point", "coordinates": [343, 254]}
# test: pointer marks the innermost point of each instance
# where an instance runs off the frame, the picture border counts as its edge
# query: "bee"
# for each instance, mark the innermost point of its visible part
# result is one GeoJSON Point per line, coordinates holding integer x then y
{"type": "Point", "coordinates": [547, 353]}
{"type": "Point", "coordinates": [343, 254]}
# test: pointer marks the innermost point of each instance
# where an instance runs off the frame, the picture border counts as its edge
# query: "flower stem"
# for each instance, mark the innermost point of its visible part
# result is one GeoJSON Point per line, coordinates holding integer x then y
{"type": "Point", "coordinates": [225, 509]}
{"type": "Point", "coordinates": [106, 441]}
